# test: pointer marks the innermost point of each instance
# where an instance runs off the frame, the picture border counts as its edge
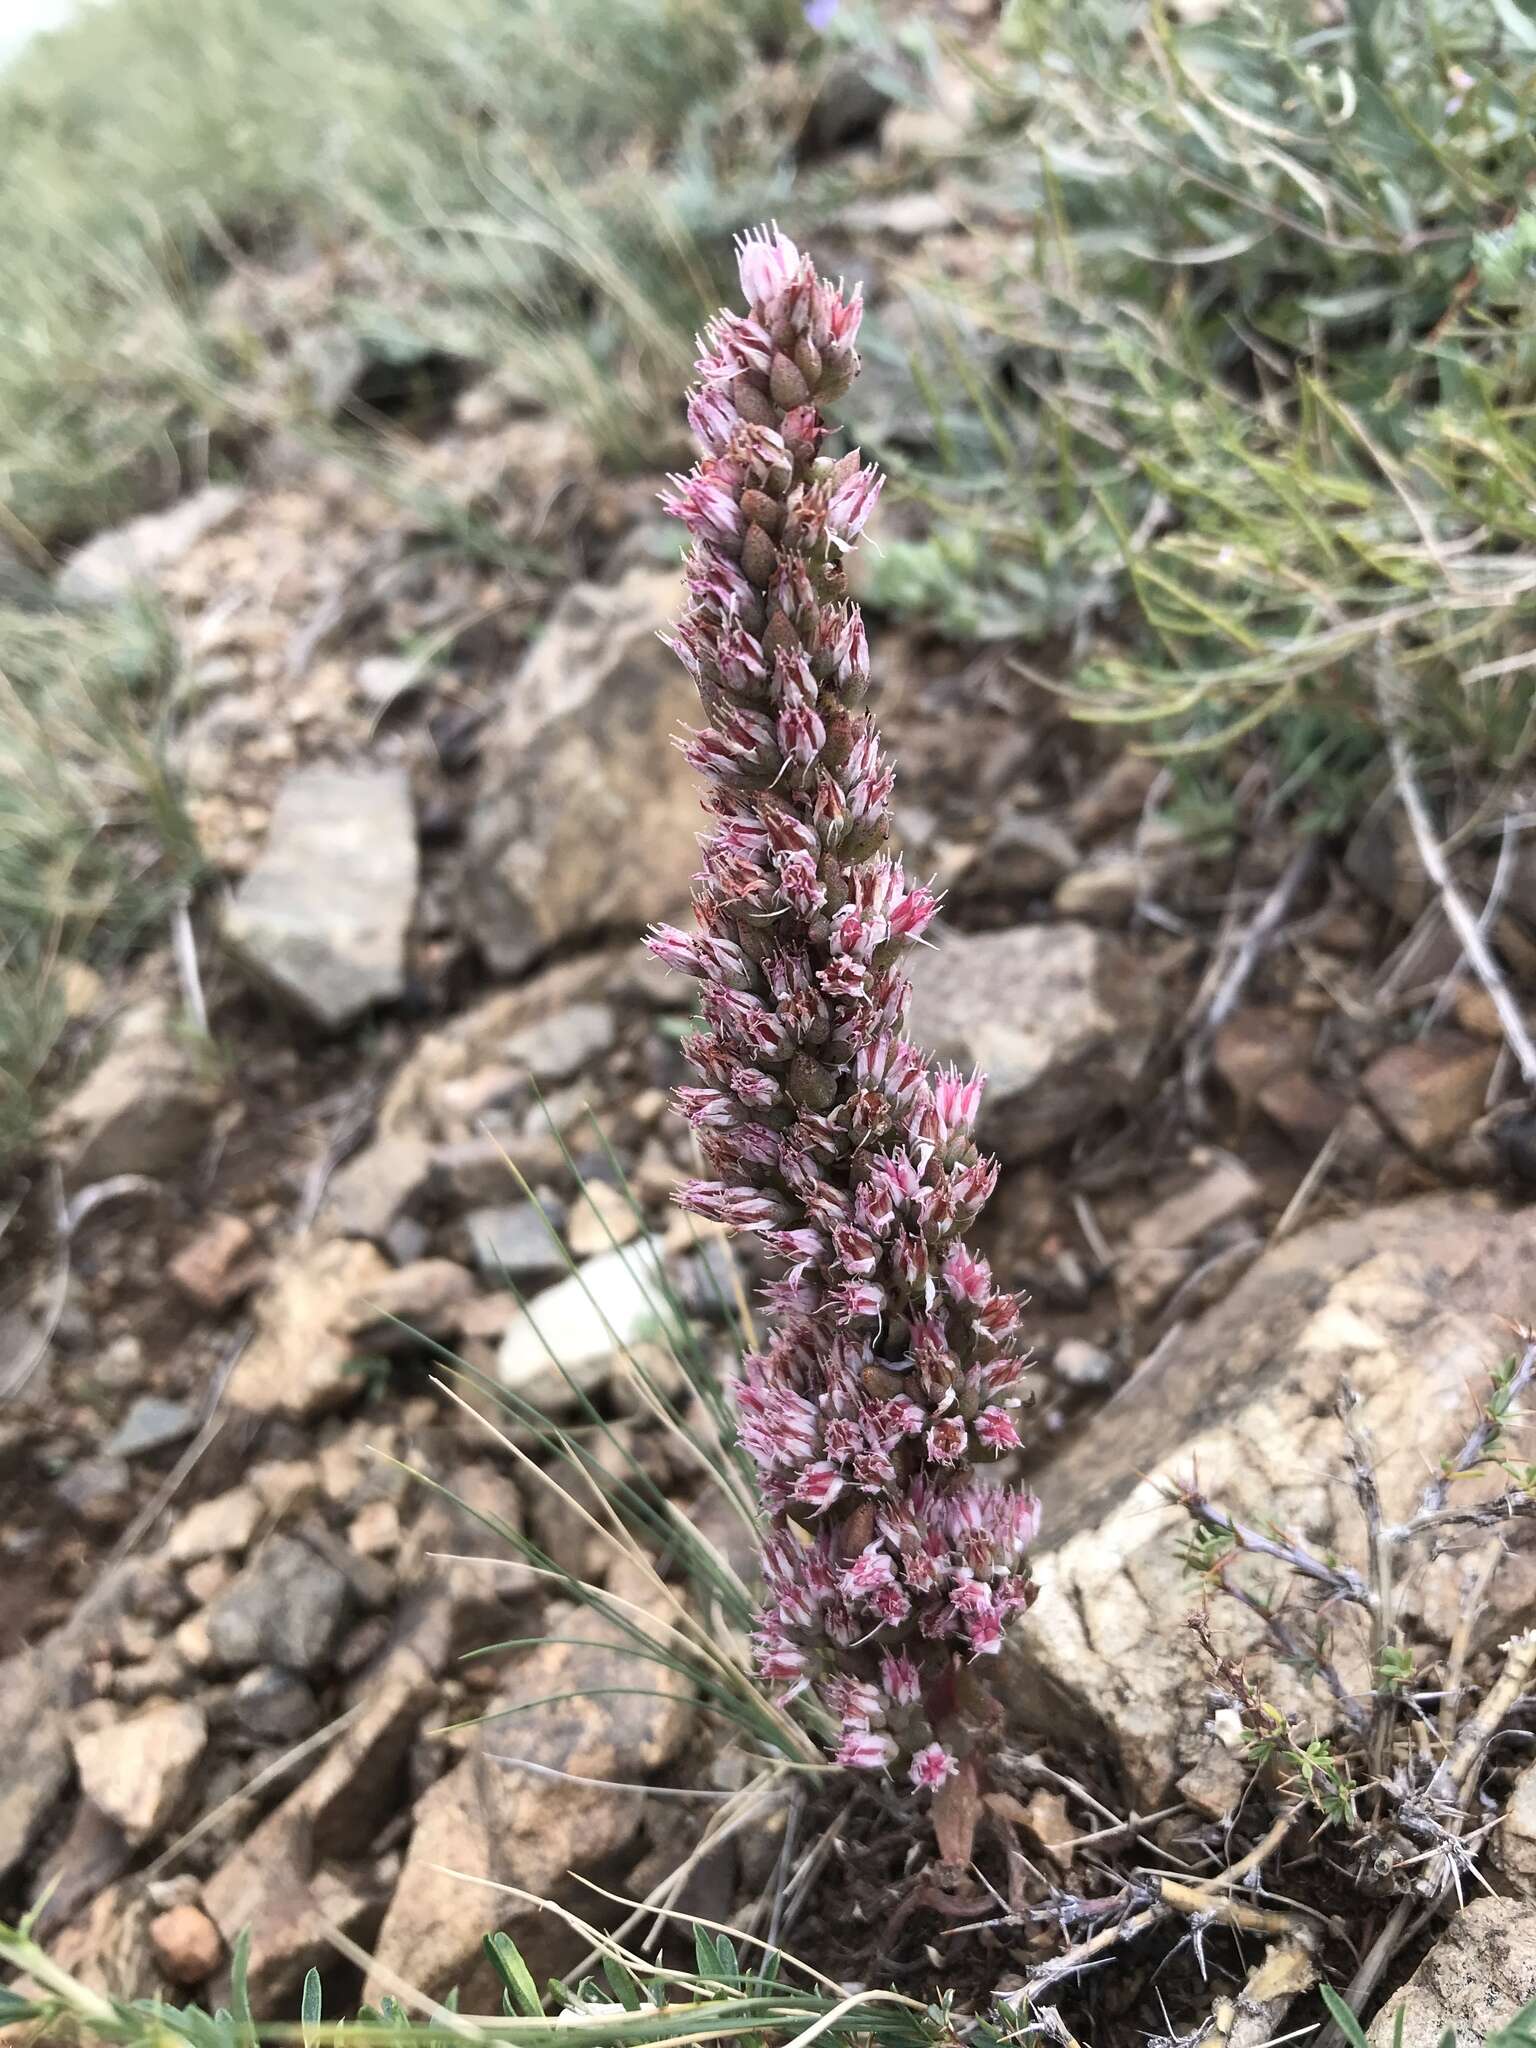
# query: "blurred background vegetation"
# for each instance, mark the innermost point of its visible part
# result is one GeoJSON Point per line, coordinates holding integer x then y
{"type": "Point", "coordinates": [1200, 352]}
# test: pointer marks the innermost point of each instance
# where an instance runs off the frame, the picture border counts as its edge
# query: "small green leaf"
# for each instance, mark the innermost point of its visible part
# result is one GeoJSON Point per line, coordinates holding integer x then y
{"type": "Point", "coordinates": [622, 1984]}
{"type": "Point", "coordinates": [515, 1975]}
{"type": "Point", "coordinates": [1343, 2018]}
{"type": "Point", "coordinates": [309, 2007]}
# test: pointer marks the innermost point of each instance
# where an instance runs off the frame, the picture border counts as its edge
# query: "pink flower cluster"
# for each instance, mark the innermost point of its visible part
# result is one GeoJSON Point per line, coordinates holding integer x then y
{"type": "Point", "coordinates": [893, 1365]}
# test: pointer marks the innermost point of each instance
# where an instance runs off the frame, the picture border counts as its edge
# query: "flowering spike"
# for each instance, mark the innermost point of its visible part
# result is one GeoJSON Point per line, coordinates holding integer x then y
{"type": "Point", "coordinates": [891, 1371]}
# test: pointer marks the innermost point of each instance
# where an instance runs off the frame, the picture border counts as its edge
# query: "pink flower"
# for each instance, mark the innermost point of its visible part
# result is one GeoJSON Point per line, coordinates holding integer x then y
{"type": "Point", "coordinates": [995, 1428]}
{"type": "Point", "coordinates": [898, 1674]}
{"type": "Point", "coordinates": [860, 1750]}
{"type": "Point", "coordinates": [768, 262]}
{"type": "Point", "coordinates": [932, 1767]}
{"type": "Point", "coordinates": [822, 1129]}
{"type": "Point", "coordinates": [851, 504]}
{"type": "Point", "coordinates": [967, 1277]}
{"type": "Point", "coordinates": [947, 1440]}
{"type": "Point", "coordinates": [870, 1570]}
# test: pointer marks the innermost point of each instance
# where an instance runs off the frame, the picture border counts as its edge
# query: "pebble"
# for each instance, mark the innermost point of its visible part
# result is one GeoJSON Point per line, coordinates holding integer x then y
{"type": "Point", "coordinates": [186, 1944]}
{"type": "Point", "coordinates": [275, 1705]}
{"type": "Point", "coordinates": [151, 1424]}
{"type": "Point", "coordinates": [1082, 1365]}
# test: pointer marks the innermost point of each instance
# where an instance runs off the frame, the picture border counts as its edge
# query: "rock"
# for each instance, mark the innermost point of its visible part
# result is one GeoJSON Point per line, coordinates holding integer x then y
{"type": "Point", "coordinates": [1118, 795]}
{"type": "Point", "coordinates": [1148, 1277]}
{"type": "Point", "coordinates": [384, 678]}
{"type": "Point", "coordinates": [560, 1047]}
{"type": "Point", "coordinates": [1260, 1044]}
{"type": "Point", "coordinates": [336, 949]}
{"type": "Point", "coordinates": [215, 1268]}
{"type": "Point", "coordinates": [489, 1819]}
{"type": "Point", "coordinates": [185, 1944]}
{"type": "Point", "coordinates": [288, 1607]}
{"type": "Point", "coordinates": [1084, 1366]}
{"type": "Point", "coordinates": [1223, 1191]}
{"type": "Point", "coordinates": [286, 1904]}
{"type": "Point", "coordinates": [118, 561]}
{"type": "Point", "coordinates": [1477, 1976]}
{"type": "Point", "coordinates": [1306, 1110]}
{"type": "Point", "coordinates": [1026, 855]}
{"type": "Point", "coordinates": [145, 1107]}
{"type": "Point", "coordinates": [297, 1868]}
{"type": "Point", "coordinates": [206, 1579]}
{"type": "Point", "coordinates": [151, 1424]}
{"type": "Point", "coordinates": [1406, 1303]}
{"type": "Point", "coordinates": [370, 1193]}
{"type": "Point", "coordinates": [107, 1947]}
{"type": "Point", "coordinates": [275, 1705]}
{"type": "Point", "coordinates": [217, 1527]}
{"type": "Point", "coordinates": [136, 1771]}
{"type": "Point", "coordinates": [420, 1300]}
{"type": "Point", "coordinates": [36, 1750]}
{"type": "Point", "coordinates": [513, 1240]}
{"type": "Point", "coordinates": [1431, 1091]}
{"type": "Point", "coordinates": [1060, 1017]}
{"type": "Point", "coordinates": [1514, 1840]}
{"type": "Point", "coordinates": [458, 1556]}
{"type": "Point", "coordinates": [374, 1530]}
{"type": "Point", "coordinates": [1215, 1783]}
{"type": "Point", "coordinates": [1382, 858]}
{"type": "Point", "coordinates": [98, 1490]}
{"type": "Point", "coordinates": [582, 1322]}
{"type": "Point", "coordinates": [296, 1363]}
{"type": "Point", "coordinates": [601, 1219]}
{"type": "Point", "coordinates": [1104, 890]}
{"type": "Point", "coordinates": [587, 812]}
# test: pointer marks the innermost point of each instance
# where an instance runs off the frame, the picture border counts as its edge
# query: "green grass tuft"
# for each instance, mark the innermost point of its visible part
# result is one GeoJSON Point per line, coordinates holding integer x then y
{"type": "Point", "coordinates": [1261, 376]}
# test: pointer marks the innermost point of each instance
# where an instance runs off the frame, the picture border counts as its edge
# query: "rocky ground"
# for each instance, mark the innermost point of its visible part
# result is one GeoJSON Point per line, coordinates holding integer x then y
{"type": "Point", "coordinates": [440, 799]}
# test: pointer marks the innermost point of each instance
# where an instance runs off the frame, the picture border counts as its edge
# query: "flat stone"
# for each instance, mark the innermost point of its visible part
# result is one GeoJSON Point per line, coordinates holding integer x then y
{"type": "Point", "coordinates": [216, 1268]}
{"type": "Point", "coordinates": [217, 1527]}
{"type": "Point", "coordinates": [35, 1745]}
{"type": "Point", "coordinates": [1406, 1304]}
{"type": "Point", "coordinates": [297, 1361]}
{"type": "Point", "coordinates": [369, 1194]}
{"type": "Point", "coordinates": [151, 1424]}
{"type": "Point", "coordinates": [1431, 1091]}
{"type": "Point", "coordinates": [1084, 1366]}
{"type": "Point", "coordinates": [560, 1047]}
{"type": "Point", "coordinates": [1475, 1979]}
{"type": "Point", "coordinates": [601, 1219]}
{"type": "Point", "coordinates": [275, 1705]}
{"type": "Point", "coordinates": [136, 1771]}
{"type": "Point", "coordinates": [1026, 855]}
{"type": "Point", "coordinates": [300, 1866]}
{"type": "Point", "coordinates": [98, 1490]}
{"type": "Point", "coordinates": [287, 1607]}
{"type": "Point", "coordinates": [132, 556]}
{"type": "Point", "coordinates": [583, 1322]}
{"type": "Point", "coordinates": [1060, 1017]}
{"type": "Point", "coordinates": [1307, 1110]}
{"type": "Point", "coordinates": [587, 813]}
{"type": "Point", "coordinates": [421, 1300]}
{"type": "Point", "coordinates": [1259, 1044]}
{"type": "Point", "coordinates": [513, 1239]}
{"type": "Point", "coordinates": [1514, 1840]}
{"type": "Point", "coordinates": [489, 1819]}
{"type": "Point", "coordinates": [1224, 1190]}
{"type": "Point", "coordinates": [1104, 890]}
{"type": "Point", "coordinates": [322, 917]}
{"type": "Point", "coordinates": [146, 1107]}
